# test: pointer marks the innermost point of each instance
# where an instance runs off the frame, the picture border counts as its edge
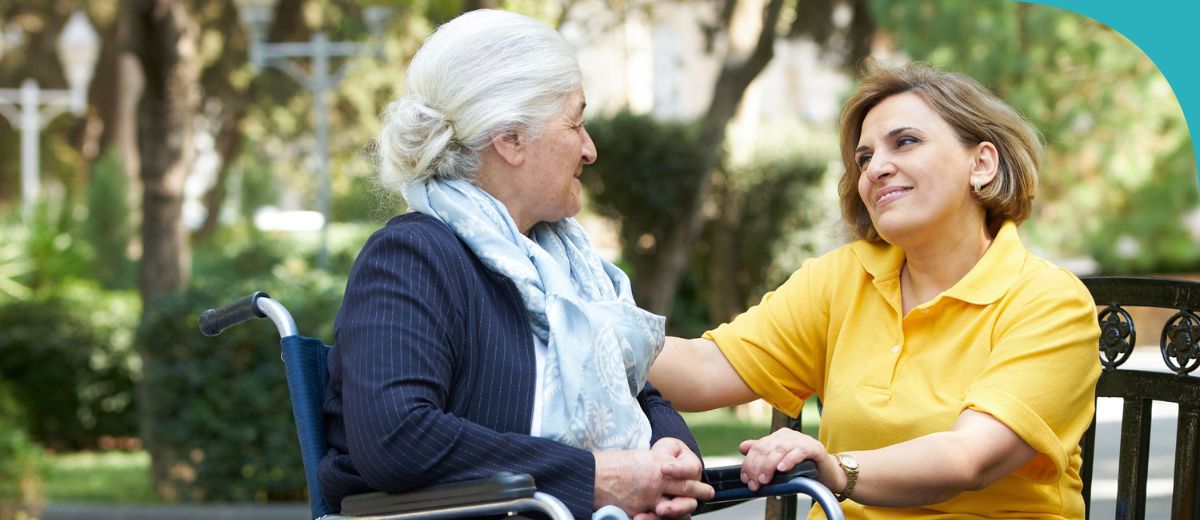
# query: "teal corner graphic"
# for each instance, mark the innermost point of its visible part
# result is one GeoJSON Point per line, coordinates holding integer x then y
{"type": "Point", "coordinates": [1164, 31]}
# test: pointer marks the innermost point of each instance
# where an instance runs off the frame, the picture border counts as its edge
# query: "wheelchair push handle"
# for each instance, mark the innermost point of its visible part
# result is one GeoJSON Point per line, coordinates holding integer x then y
{"type": "Point", "coordinates": [215, 321]}
{"type": "Point", "coordinates": [257, 305]}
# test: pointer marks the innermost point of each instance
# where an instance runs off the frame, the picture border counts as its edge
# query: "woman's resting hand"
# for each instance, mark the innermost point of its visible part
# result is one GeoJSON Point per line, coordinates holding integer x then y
{"type": "Point", "coordinates": [781, 451]}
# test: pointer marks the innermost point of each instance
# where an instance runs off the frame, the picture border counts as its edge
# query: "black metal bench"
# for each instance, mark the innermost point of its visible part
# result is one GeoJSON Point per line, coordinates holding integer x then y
{"type": "Point", "coordinates": [1179, 345]}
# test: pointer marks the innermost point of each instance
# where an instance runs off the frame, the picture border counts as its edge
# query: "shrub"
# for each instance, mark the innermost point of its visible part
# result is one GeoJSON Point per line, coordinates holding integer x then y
{"type": "Point", "coordinates": [66, 357]}
{"type": "Point", "coordinates": [237, 253]}
{"type": "Point", "coordinates": [21, 463]}
{"type": "Point", "coordinates": [54, 249]}
{"type": "Point", "coordinates": [107, 228]}
{"type": "Point", "coordinates": [15, 267]}
{"type": "Point", "coordinates": [646, 173]}
{"type": "Point", "coordinates": [220, 409]}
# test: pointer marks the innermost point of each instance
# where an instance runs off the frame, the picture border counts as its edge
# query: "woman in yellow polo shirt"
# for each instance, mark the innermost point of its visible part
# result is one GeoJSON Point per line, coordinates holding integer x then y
{"type": "Point", "coordinates": [956, 369]}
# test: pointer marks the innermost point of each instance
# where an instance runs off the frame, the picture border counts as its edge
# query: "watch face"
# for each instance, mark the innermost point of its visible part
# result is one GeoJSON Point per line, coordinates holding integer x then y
{"type": "Point", "coordinates": [848, 461]}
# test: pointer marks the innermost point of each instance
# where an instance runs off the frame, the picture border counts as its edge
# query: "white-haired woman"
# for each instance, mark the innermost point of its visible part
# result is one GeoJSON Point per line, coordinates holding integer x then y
{"type": "Point", "coordinates": [481, 332]}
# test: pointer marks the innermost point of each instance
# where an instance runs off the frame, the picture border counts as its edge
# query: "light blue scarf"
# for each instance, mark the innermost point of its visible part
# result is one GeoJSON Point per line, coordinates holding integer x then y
{"type": "Point", "coordinates": [599, 343]}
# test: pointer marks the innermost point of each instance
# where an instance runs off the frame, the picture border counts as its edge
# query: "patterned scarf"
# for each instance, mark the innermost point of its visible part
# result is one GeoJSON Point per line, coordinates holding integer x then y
{"type": "Point", "coordinates": [599, 343]}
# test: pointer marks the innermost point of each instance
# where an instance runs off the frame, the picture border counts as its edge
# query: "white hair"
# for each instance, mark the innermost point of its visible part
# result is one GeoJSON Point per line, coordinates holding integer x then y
{"type": "Point", "coordinates": [480, 74]}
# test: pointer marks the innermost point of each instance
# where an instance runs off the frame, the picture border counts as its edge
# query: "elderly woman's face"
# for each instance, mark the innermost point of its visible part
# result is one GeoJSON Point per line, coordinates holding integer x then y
{"type": "Point", "coordinates": [915, 173]}
{"type": "Point", "coordinates": [556, 161]}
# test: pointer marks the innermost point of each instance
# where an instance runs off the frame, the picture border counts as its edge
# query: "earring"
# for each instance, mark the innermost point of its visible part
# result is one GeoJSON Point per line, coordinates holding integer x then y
{"type": "Point", "coordinates": [977, 184]}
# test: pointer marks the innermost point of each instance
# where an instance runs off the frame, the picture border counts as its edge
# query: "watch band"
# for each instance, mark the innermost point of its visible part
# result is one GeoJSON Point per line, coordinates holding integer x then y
{"type": "Point", "coordinates": [850, 465]}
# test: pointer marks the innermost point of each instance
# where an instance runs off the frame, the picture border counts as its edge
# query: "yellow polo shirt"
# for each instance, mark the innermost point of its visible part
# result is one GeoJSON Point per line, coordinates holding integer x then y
{"type": "Point", "coordinates": [1015, 338]}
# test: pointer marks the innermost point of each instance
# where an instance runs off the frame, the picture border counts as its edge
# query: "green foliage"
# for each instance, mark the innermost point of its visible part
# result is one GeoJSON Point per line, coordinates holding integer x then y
{"type": "Point", "coordinates": [220, 408]}
{"type": "Point", "coordinates": [258, 186]}
{"type": "Point", "coordinates": [21, 466]}
{"type": "Point", "coordinates": [645, 172]}
{"type": "Point", "coordinates": [66, 357]}
{"type": "Point", "coordinates": [760, 203]}
{"type": "Point", "coordinates": [1157, 229]}
{"type": "Point", "coordinates": [107, 228]}
{"type": "Point", "coordinates": [363, 200]}
{"type": "Point", "coordinates": [54, 252]}
{"type": "Point", "coordinates": [1118, 156]}
{"type": "Point", "coordinates": [15, 267]}
{"type": "Point", "coordinates": [237, 253]}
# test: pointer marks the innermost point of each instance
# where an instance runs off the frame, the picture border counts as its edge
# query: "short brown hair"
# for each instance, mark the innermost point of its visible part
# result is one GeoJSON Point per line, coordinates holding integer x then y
{"type": "Point", "coordinates": [974, 113]}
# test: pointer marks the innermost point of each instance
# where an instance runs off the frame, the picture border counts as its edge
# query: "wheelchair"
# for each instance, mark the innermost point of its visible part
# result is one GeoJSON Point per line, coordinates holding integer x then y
{"type": "Point", "coordinates": [503, 494]}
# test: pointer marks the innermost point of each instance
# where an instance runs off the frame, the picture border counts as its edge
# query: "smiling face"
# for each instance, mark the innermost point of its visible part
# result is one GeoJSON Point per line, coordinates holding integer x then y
{"type": "Point", "coordinates": [555, 161]}
{"type": "Point", "coordinates": [915, 173]}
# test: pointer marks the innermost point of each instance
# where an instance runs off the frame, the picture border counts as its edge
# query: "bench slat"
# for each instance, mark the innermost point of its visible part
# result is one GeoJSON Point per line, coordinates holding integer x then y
{"type": "Point", "coordinates": [1187, 440]}
{"type": "Point", "coordinates": [783, 508]}
{"type": "Point", "coordinates": [1087, 447]}
{"type": "Point", "coordinates": [1134, 460]}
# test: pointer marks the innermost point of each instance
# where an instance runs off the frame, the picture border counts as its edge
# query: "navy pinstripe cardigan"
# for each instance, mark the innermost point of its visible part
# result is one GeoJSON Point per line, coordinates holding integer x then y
{"type": "Point", "coordinates": [432, 376]}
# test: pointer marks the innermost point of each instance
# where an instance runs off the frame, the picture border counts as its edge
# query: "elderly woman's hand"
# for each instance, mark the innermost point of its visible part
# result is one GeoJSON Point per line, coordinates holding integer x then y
{"type": "Point", "coordinates": [781, 451]}
{"type": "Point", "coordinates": [663, 481]}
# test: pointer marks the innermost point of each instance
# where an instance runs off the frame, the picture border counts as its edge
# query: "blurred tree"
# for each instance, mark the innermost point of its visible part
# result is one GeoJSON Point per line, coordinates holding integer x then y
{"type": "Point", "coordinates": [745, 49]}
{"type": "Point", "coordinates": [68, 144]}
{"type": "Point", "coordinates": [760, 203]}
{"type": "Point", "coordinates": [165, 39]}
{"type": "Point", "coordinates": [227, 86]}
{"type": "Point", "coordinates": [645, 161]}
{"type": "Point", "coordinates": [1118, 157]}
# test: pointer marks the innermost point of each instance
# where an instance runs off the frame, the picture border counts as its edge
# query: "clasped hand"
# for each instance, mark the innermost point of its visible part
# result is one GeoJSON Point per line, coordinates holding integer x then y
{"type": "Point", "coordinates": [662, 482]}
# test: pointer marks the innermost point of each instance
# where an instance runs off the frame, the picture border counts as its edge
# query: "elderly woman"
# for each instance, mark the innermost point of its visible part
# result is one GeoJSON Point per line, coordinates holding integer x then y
{"type": "Point", "coordinates": [481, 332]}
{"type": "Point", "coordinates": [956, 369]}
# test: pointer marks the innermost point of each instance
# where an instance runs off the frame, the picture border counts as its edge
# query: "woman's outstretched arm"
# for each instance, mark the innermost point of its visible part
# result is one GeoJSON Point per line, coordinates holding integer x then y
{"type": "Point", "coordinates": [695, 376]}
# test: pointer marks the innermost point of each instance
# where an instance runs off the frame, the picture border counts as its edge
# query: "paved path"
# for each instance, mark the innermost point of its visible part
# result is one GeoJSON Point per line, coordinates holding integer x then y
{"type": "Point", "coordinates": [1108, 434]}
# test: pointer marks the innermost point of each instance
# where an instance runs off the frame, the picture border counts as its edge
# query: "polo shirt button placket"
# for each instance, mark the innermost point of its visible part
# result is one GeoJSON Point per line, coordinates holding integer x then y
{"type": "Point", "coordinates": [895, 349]}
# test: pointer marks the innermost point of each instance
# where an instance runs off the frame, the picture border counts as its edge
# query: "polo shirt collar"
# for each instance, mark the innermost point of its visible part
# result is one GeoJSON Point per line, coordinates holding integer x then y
{"type": "Point", "coordinates": [985, 283]}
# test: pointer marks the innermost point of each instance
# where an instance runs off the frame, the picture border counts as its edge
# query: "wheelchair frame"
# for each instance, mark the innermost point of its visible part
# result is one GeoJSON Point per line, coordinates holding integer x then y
{"type": "Point", "coordinates": [304, 360]}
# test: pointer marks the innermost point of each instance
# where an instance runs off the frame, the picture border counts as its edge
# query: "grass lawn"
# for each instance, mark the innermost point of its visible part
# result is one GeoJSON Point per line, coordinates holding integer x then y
{"type": "Point", "coordinates": [110, 477]}
{"type": "Point", "coordinates": [718, 432]}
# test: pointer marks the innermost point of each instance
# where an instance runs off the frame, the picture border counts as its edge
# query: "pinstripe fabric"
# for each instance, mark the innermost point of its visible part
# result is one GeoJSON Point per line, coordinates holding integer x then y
{"type": "Point", "coordinates": [432, 376]}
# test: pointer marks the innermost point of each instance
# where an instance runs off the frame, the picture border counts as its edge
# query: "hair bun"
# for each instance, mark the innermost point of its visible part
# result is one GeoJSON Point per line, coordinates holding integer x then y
{"type": "Point", "coordinates": [482, 74]}
{"type": "Point", "coordinates": [417, 141]}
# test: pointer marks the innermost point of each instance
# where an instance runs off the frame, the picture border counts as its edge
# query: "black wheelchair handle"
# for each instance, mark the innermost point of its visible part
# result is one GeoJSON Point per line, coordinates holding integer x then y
{"type": "Point", "coordinates": [215, 321]}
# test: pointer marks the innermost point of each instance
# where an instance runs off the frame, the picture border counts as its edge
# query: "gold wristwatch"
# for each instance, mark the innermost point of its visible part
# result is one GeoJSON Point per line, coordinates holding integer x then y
{"type": "Point", "coordinates": [850, 465]}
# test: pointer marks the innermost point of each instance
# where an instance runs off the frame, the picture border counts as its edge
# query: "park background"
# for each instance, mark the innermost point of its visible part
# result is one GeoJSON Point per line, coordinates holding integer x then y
{"type": "Point", "coordinates": [190, 179]}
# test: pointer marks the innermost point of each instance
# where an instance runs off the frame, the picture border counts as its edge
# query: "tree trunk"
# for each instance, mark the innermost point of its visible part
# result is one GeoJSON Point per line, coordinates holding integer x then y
{"type": "Point", "coordinates": [658, 284]}
{"type": "Point", "coordinates": [723, 297]}
{"type": "Point", "coordinates": [165, 42]}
